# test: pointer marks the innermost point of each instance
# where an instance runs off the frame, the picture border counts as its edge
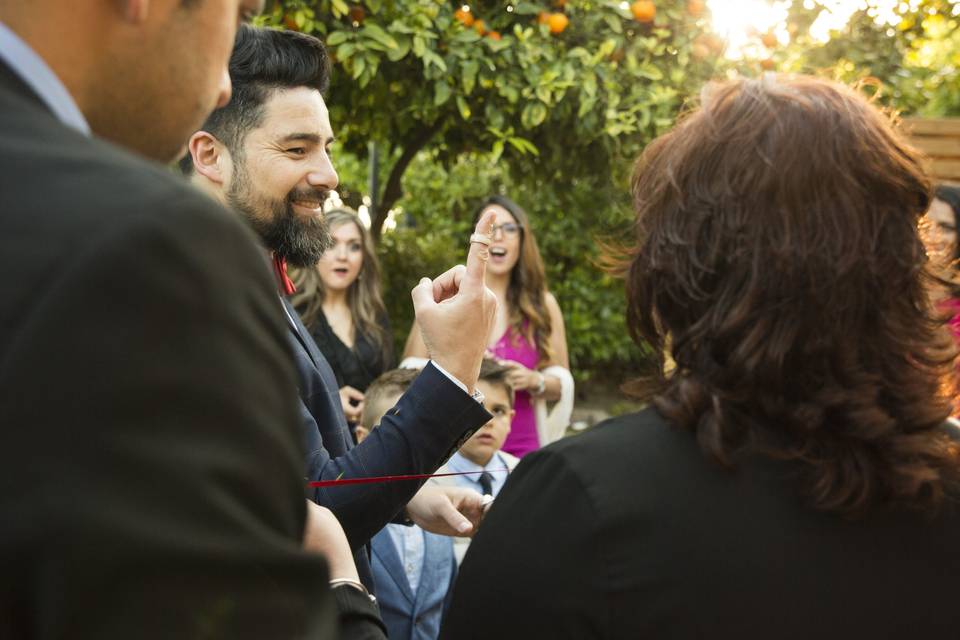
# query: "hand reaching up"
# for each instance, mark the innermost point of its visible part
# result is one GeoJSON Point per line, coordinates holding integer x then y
{"type": "Point", "coordinates": [456, 311]}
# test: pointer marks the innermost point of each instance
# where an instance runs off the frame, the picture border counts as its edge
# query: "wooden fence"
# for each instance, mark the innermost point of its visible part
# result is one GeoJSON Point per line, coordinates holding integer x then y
{"type": "Point", "coordinates": [939, 139]}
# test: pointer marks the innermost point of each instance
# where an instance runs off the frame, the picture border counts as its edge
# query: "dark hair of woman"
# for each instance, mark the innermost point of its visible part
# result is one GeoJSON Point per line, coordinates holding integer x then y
{"type": "Point", "coordinates": [528, 281]}
{"type": "Point", "coordinates": [778, 259]}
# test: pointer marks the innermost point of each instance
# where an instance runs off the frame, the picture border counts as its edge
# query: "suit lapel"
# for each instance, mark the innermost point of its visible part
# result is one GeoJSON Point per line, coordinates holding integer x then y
{"type": "Point", "coordinates": [14, 83]}
{"type": "Point", "coordinates": [299, 331]}
{"type": "Point", "coordinates": [433, 554]}
{"type": "Point", "coordinates": [385, 551]}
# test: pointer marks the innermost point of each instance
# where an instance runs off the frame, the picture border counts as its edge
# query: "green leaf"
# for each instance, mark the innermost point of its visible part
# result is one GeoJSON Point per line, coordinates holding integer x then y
{"type": "Point", "coordinates": [463, 107]}
{"type": "Point", "coordinates": [376, 32]}
{"type": "Point", "coordinates": [337, 38]}
{"type": "Point", "coordinates": [441, 93]}
{"type": "Point", "coordinates": [345, 50]}
{"type": "Point", "coordinates": [300, 19]}
{"type": "Point", "coordinates": [533, 115]}
{"type": "Point", "coordinates": [359, 64]}
{"type": "Point", "coordinates": [614, 23]}
{"type": "Point", "coordinates": [470, 68]}
{"type": "Point", "coordinates": [650, 72]}
{"type": "Point", "coordinates": [403, 48]}
{"type": "Point", "coordinates": [527, 9]}
{"type": "Point", "coordinates": [509, 92]}
{"type": "Point", "coordinates": [419, 46]}
{"type": "Point", "coordinates": [429, 57]}
{"type": "Point", "coordinates": [523, 145]}
{"type": "Point", "coordinates": [340, 8]}
{"type": "Point", "coordinates": [586, 106]}
{"type": "Point", "coordinates": [497, 151]}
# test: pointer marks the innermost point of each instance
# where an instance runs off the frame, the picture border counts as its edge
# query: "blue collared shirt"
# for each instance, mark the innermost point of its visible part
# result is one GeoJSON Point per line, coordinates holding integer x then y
{"type": "Point", "coordinates": [496, 467]}
{"type": "Point", "coordinates": [32, 69]}
{"type": "Point", "coordinates": [409, 543]}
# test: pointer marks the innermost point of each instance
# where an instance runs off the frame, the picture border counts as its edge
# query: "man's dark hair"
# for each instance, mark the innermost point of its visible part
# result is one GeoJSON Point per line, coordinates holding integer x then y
{"type": "Point", "coordinates": [264, 60]}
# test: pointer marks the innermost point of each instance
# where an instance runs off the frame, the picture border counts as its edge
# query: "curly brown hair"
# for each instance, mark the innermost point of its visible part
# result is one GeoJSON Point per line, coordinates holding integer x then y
{"type": "Point", "coordinates": [778, 259]}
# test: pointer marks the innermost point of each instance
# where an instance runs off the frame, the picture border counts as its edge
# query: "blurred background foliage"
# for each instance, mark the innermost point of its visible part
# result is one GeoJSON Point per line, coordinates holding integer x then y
{"type": "Point", "coordinates": [550, 102]}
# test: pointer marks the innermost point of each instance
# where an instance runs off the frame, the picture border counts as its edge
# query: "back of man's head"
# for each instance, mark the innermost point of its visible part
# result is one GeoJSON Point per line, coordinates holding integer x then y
{"type": "Point", "coordinates": [264, 61]}
{"type": "Point", "coordinates": [383, 393]}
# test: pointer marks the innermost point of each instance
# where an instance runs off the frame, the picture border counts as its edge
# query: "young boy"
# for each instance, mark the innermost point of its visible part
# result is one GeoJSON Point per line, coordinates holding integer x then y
{"type": "Point", "coordinates": [413, 569]}
{"type": "Point", "coordinates": [482, 451]}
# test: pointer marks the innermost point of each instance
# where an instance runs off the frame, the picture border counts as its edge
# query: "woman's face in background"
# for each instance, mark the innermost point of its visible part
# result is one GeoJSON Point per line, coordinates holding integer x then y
{"type": "Point", "coordinates": [505, 248]}
{"type": "Point", "coordinates": [340, 265]}
{"type": "Point", "coordinates": [943, 228]}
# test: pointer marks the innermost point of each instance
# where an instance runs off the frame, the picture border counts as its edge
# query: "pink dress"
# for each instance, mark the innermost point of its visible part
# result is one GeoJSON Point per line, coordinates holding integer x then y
{"type": "Point", "coordinates": [523, 430]}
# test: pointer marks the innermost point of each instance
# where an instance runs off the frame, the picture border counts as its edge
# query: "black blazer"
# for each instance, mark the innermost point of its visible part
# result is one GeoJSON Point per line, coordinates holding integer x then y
{"type": "Point", "coordinates": [430, 422]}
{"type": "Point", "coordinates": [151, 458]}
{"type": "Point", "coordinates": [627, 531]}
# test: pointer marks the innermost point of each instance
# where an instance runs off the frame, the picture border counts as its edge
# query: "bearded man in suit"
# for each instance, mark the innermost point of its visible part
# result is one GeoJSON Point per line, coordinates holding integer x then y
{"type": "Point", "coordinates": [267, 153]}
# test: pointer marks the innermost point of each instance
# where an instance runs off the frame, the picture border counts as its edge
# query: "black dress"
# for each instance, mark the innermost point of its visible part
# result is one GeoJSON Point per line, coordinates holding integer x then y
{"type": "Point", "coordinates": [356, 367]}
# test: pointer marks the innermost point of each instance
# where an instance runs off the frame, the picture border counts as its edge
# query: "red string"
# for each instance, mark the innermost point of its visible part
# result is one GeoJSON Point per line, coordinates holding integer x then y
{"type": "Point", "coordinates": [378, 479]}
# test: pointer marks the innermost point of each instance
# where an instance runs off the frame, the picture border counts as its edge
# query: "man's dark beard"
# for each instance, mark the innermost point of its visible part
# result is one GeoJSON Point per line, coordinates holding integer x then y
{"type": "Point", "coordinates": [301, 241]}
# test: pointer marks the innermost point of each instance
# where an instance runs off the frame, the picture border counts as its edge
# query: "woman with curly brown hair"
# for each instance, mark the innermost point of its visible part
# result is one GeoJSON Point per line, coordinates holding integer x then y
{"type": "Point", "coordinates": [796, 475]}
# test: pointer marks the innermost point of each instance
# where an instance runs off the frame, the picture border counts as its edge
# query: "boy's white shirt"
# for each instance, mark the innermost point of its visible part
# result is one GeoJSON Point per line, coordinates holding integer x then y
{"type": "Point", "coordinates": [499, 460]}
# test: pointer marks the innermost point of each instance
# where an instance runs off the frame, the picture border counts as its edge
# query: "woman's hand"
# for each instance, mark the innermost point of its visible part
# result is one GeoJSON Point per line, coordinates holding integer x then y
{"type": "Point", "coordinates": [521, 378]}
{"type": "Point", "coordinates": [352, 401]}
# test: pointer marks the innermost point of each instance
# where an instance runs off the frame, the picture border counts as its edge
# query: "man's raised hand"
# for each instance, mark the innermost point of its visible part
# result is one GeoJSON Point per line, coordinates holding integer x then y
{"type": "Point", "coordinates": [456, 311]}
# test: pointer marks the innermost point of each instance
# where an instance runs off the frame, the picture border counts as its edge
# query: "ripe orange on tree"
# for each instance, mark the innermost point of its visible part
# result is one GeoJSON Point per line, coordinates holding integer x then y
{"type": "Point", "coordinates": [290, 22]}
{"type": "Point", "coordinates": [643, 10]}
{"type": "Point", "coordinates": [768, 64]}
{"type": "Point", "coordinates": [769, 40]}
{"type": "Point", "coordinates": [543, 17]}
{"type": "Point", "coordinates": [695, 8]}
{"type": "Point", "coordinates": [494, 35]}
{"type": "Point", "coordinates": [557, 22]}
{"type": "Point", "coordinates": [464, 16]}
{"type": "Point", "coordinates": [480, 26]}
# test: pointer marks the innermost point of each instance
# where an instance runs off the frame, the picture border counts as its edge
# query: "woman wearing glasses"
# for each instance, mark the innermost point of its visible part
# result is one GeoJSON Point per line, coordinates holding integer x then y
{"type": "Point", "coordinates": [528, 335]}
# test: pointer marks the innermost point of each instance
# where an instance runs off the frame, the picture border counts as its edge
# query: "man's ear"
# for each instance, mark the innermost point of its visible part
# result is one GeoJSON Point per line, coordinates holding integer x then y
{"type": "Point", "coordinates": [210, 157]}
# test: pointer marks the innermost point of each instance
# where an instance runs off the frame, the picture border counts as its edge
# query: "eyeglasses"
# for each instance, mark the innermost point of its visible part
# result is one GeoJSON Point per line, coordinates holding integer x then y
{"type": "Point", "coordinates": [508, 228]}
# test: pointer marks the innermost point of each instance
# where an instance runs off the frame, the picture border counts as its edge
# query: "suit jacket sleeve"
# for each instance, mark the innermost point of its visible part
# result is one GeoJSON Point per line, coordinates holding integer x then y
{"type": "Point", "coordinates": [149, 413]}
{"type": "Point", "coordinates": [428, 424]}
{"type": "Point", "coordinates": [535, 561]}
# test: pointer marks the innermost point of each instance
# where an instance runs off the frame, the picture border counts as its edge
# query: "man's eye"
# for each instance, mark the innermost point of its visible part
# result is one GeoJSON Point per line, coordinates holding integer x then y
{"type": "Point", "coordinates": [297, 151]}
{"type": "Point", "coordinates": [499, 412]}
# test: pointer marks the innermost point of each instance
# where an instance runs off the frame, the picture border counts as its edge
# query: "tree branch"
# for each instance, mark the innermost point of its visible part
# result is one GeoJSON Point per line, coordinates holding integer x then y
{"type": "Point", "coordinates": [393, 190]}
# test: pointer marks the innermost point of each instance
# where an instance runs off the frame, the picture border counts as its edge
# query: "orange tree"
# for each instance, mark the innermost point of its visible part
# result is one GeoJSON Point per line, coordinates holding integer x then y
{"type": "Point", "coordinates": [549, 102]}
{"type": "Point", "coordinates": [574, 86]}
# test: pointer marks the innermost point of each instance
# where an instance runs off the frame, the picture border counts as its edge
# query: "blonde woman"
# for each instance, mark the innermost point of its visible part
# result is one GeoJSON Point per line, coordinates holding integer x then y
{"type": "Point", "coordinates": [340, 303]}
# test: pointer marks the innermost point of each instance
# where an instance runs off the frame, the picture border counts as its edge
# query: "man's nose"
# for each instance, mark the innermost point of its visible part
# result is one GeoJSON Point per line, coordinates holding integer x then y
{"type": "Point", "coordinates": [224, 90]}
{"type": "Point", "coordinates": [323, 175]}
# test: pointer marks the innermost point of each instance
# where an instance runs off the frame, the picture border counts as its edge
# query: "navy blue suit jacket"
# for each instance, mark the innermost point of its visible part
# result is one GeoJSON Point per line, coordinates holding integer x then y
{"type": "Point", "coordinates": [409, 615]}
{"type": "Point", "coordinates": [430, 422]}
